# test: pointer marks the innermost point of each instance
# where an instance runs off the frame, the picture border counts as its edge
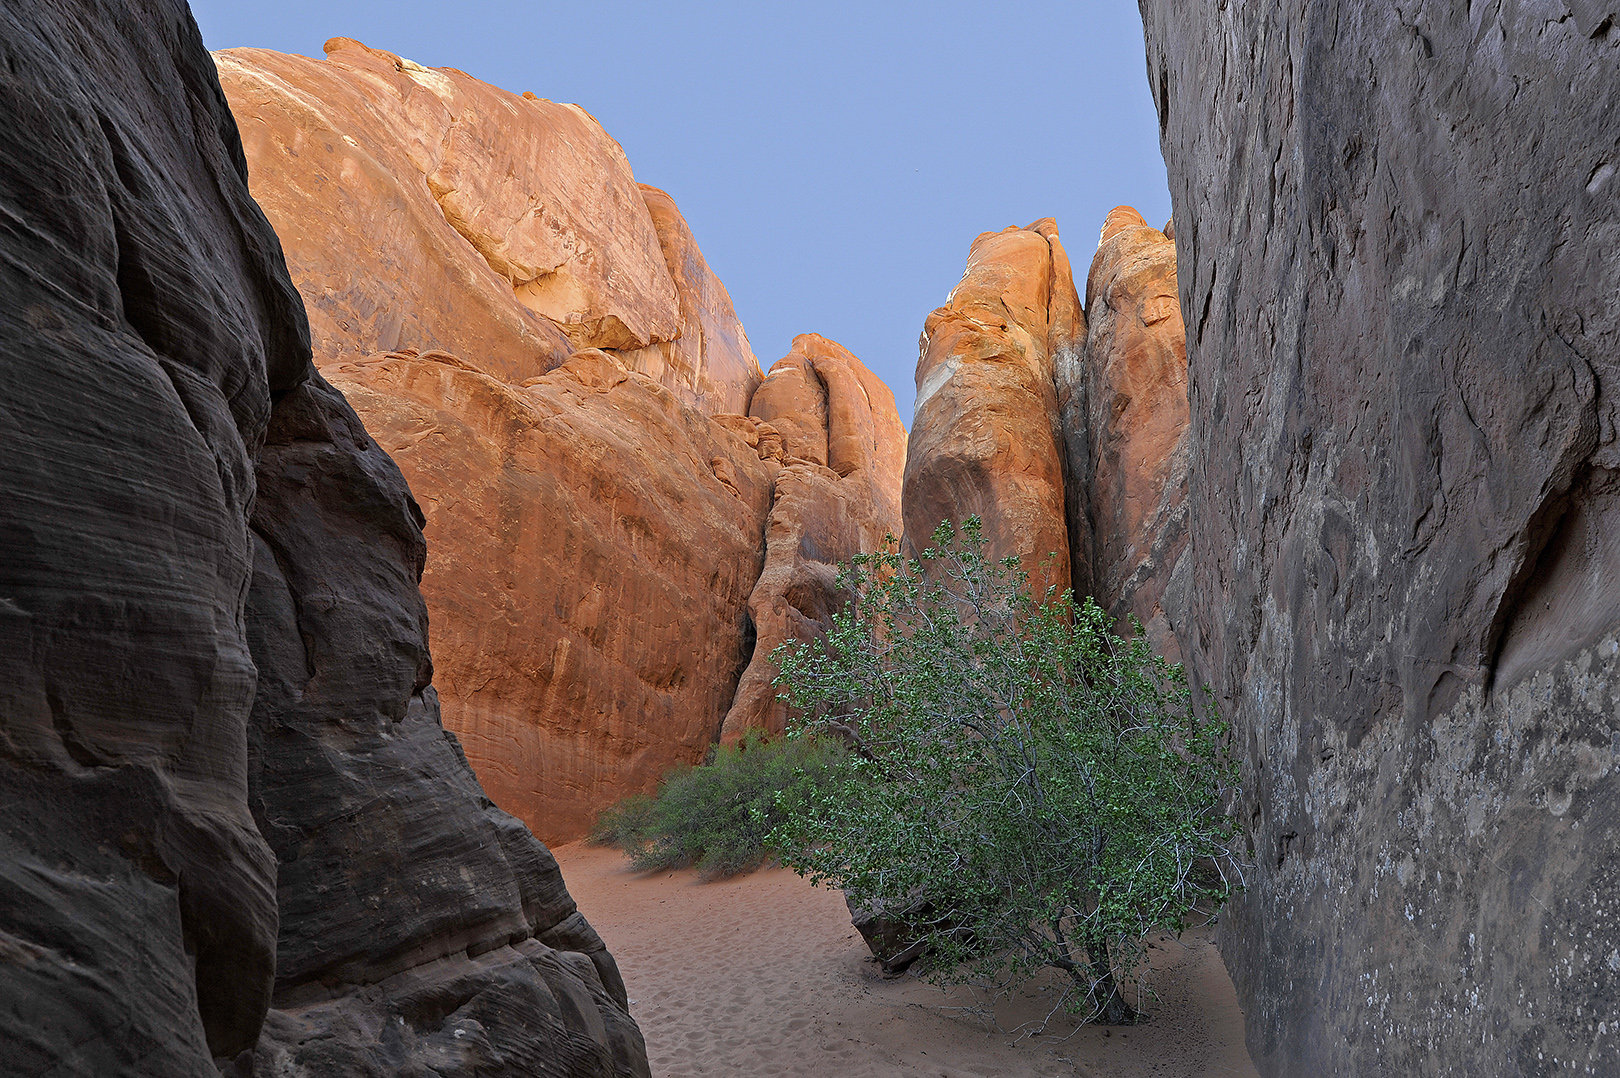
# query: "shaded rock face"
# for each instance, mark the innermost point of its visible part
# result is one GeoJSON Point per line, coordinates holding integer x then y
{"type": "Point", "coordinates": [1396, 236]}
{"type": "Point", "coordinates": [227, 793]}
{"type": "Point", "coordinates": [423, 930]}
{"type": "Point", "coordinates": [424, 209]}
{"type": "Point", "coordinates": [836, 494]}
{"type": "Point", "coordinates": [986, 437]}
{"type": "Point", "coordinates": [146, 322]}
{"type": "Point", "coordinates": [594, 543]}
{"type": "Point", "coordinates": [1124, 413]}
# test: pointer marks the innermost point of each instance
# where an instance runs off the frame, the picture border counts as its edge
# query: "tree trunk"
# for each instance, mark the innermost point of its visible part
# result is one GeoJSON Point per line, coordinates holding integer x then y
{"type": "Point", "coordinates": [1107, 1003]}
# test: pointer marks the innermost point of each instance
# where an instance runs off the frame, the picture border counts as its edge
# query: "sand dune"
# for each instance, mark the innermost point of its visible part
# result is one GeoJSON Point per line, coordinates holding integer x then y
{"type": "Point", "coordinates": [764, 975]}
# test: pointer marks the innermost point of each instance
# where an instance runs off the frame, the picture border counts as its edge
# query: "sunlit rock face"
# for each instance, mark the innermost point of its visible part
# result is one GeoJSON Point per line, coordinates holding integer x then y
{"type": "Point", "coordinates": [986, 439]}
{"type": "Point", "coordinates": [1397, 230]}
{"type": "Point", "coordinates": [592, 546]}
{"type": "Point", "coordinates": [235, 835]}
{"type": "Point", "coordinates": [540, 343]}
{"type": "Point", "coordinates": [837, 494]}
{"type": "Point", "coordinates": [593, 535]}
{"type": "Point", "coordinates": [1124, 413]}
{"type": "Point", "coordinates": [421, 208]}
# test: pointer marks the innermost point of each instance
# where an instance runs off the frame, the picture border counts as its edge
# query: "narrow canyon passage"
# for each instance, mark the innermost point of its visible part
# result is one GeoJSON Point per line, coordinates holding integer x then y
{"type": "Point", "coordinates": [764, 975]}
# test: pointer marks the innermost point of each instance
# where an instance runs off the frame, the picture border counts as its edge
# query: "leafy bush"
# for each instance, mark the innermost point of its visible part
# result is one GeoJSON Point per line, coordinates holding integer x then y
{"type": "Point", "coordinates": [716, 816]}
{"type": "Point", "coordinates": [1049, 792]}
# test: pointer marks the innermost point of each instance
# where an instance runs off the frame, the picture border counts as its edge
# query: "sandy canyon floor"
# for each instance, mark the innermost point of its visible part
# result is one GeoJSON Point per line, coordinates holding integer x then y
{"type": "Point", "coordinates": [764, 975]}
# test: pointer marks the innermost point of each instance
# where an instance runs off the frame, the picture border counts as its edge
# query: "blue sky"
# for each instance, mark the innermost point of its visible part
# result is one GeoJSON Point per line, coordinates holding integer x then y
{"type": "Point", "coordinates": [834, 160]}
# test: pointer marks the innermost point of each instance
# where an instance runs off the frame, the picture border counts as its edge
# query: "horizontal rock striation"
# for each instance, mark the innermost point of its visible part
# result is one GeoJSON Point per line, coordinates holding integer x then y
{"type": "Point", "coordinates": [227, 792]}
{"type": "Point", "coordinates": [1396, 228]}
{"type": "Point", "coordinates": [422, 928]}
{"type": "Point", "coordinates": [424, 209]}
{"type": "Point", "coordinates": [145, 323]}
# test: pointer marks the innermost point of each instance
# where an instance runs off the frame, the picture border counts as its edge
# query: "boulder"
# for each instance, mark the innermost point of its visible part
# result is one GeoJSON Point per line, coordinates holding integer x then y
{"type": "Point", "coordinates": [823, 512]}
{"type": "Point", "coordinates": [425, 209]}
{"type": "Point", "coordinates": [1129, 459]}
{"type": "Point", "coordinates": [227, 792]}
{"type": "Point", "coordinates": [1396, 231]}
{"type": "Point", "coordinates": [986, 439]}
{"type": "Point", "coordinates": [593, 543]}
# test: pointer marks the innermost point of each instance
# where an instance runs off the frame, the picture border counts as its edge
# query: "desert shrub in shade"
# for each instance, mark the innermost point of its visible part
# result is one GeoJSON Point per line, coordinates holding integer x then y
{"type": "Point", "coordinates": [716, 816]}
{"type": "Point", "coordinates": [1049, 792]}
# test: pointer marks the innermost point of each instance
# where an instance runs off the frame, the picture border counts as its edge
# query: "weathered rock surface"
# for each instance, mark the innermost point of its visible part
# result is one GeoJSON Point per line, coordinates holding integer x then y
{"type": "Point", "coordinates": [177, 687]}
{"type": "Point", "coordinates": [1397, 228]}
{"type": "Point", "coordinates": [596, 524]}
{"type": "Point", "coordinates": [138, 353]}
{"type": "Point", "coordinates": [827, 507]}
{"type": "Point", "coordinates": [593, 545]}
{"type": "Point", "coordinates": [1125, 429]}
{"type": "Point", "coordinates": [710, 363]}
{"type": "Point", "coordinates": [986, 437]}
{"type": "Point", "coordinates": [424, 209]}
{"type": "Point", "coordinates": [423, 930]}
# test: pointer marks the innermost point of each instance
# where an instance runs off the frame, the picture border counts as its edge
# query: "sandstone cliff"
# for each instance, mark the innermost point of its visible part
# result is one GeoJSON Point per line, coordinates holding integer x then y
{"type": "Point", "coordinates": [227, 792]}
{"type": "Point", "coordinates": [421, 208]}
{"type": "Point", "coordinates": [565, 385]}
{"type": "Point", "coordinates": [1397, 228]}
{"type": "Point", "coordinates": [1125, 430]}
{"type": "Point", "coordinates": [1064, 429]}
{"type": "Point", "coordinates": [837, 494]}
{"type": "Point", "coordinates": [592, 546]}
{"type": "Point", "coordinates": [986, 440]}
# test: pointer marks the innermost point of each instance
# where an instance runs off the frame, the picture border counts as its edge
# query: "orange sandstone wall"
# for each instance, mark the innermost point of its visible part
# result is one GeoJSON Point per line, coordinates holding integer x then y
{"type": "Point", "coordinates": [986, 439]}
{"type": "Point", "coordinates": [592, 546]}
{"type": "Point", "coordinates": [1135, 426]}
{"type": "Point", "coordinates": [837, 494]}
{"type": "Point", "coordinates": [1064, 429]}
{"type": "Point", "coordinates": [539, 342]}
{"type": "Point", "coordinates": [421, 208]}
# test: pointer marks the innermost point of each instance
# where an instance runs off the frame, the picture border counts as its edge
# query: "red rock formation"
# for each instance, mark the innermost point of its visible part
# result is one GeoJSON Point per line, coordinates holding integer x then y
{"type": "Point", "coordinates": [593, 536]}
{"type": "Point", "coordinates": [1135, 470]}
{"type": "Point", "coordinates": [986, 439]}
{"type": "Point", "coordinates": [794, 402]}
{"type": "Point", "coordinates": [710, 354]}
{"type": "Point", "coordinates": [593, 543]}
{"type": "Point", "coordinates": [507, 230]}
{"type": "Point", "coordinates": [838, 497]}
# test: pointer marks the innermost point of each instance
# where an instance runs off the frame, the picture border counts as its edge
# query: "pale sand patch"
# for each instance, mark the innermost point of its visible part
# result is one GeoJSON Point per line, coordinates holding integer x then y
{"type": "Point", "coordinates": [764, 975]}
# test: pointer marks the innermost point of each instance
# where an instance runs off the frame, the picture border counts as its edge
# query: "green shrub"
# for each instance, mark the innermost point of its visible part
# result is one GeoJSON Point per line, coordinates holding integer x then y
{"type": "Point", "coordinates": [1049, 792]}
{"type": "Point", "coordinates": [715, 817]}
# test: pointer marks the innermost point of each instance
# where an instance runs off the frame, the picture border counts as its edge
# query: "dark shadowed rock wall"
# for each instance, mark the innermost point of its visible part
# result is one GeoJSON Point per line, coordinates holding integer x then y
{"type": "Point", "coordinates": [144, 324]}
{"type": "Point", "coordinates": [1397, 227]}
{"type": "Point", "coordinates": [423, 930]}
{"type": "Point", "coordinates": [227, 793]}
